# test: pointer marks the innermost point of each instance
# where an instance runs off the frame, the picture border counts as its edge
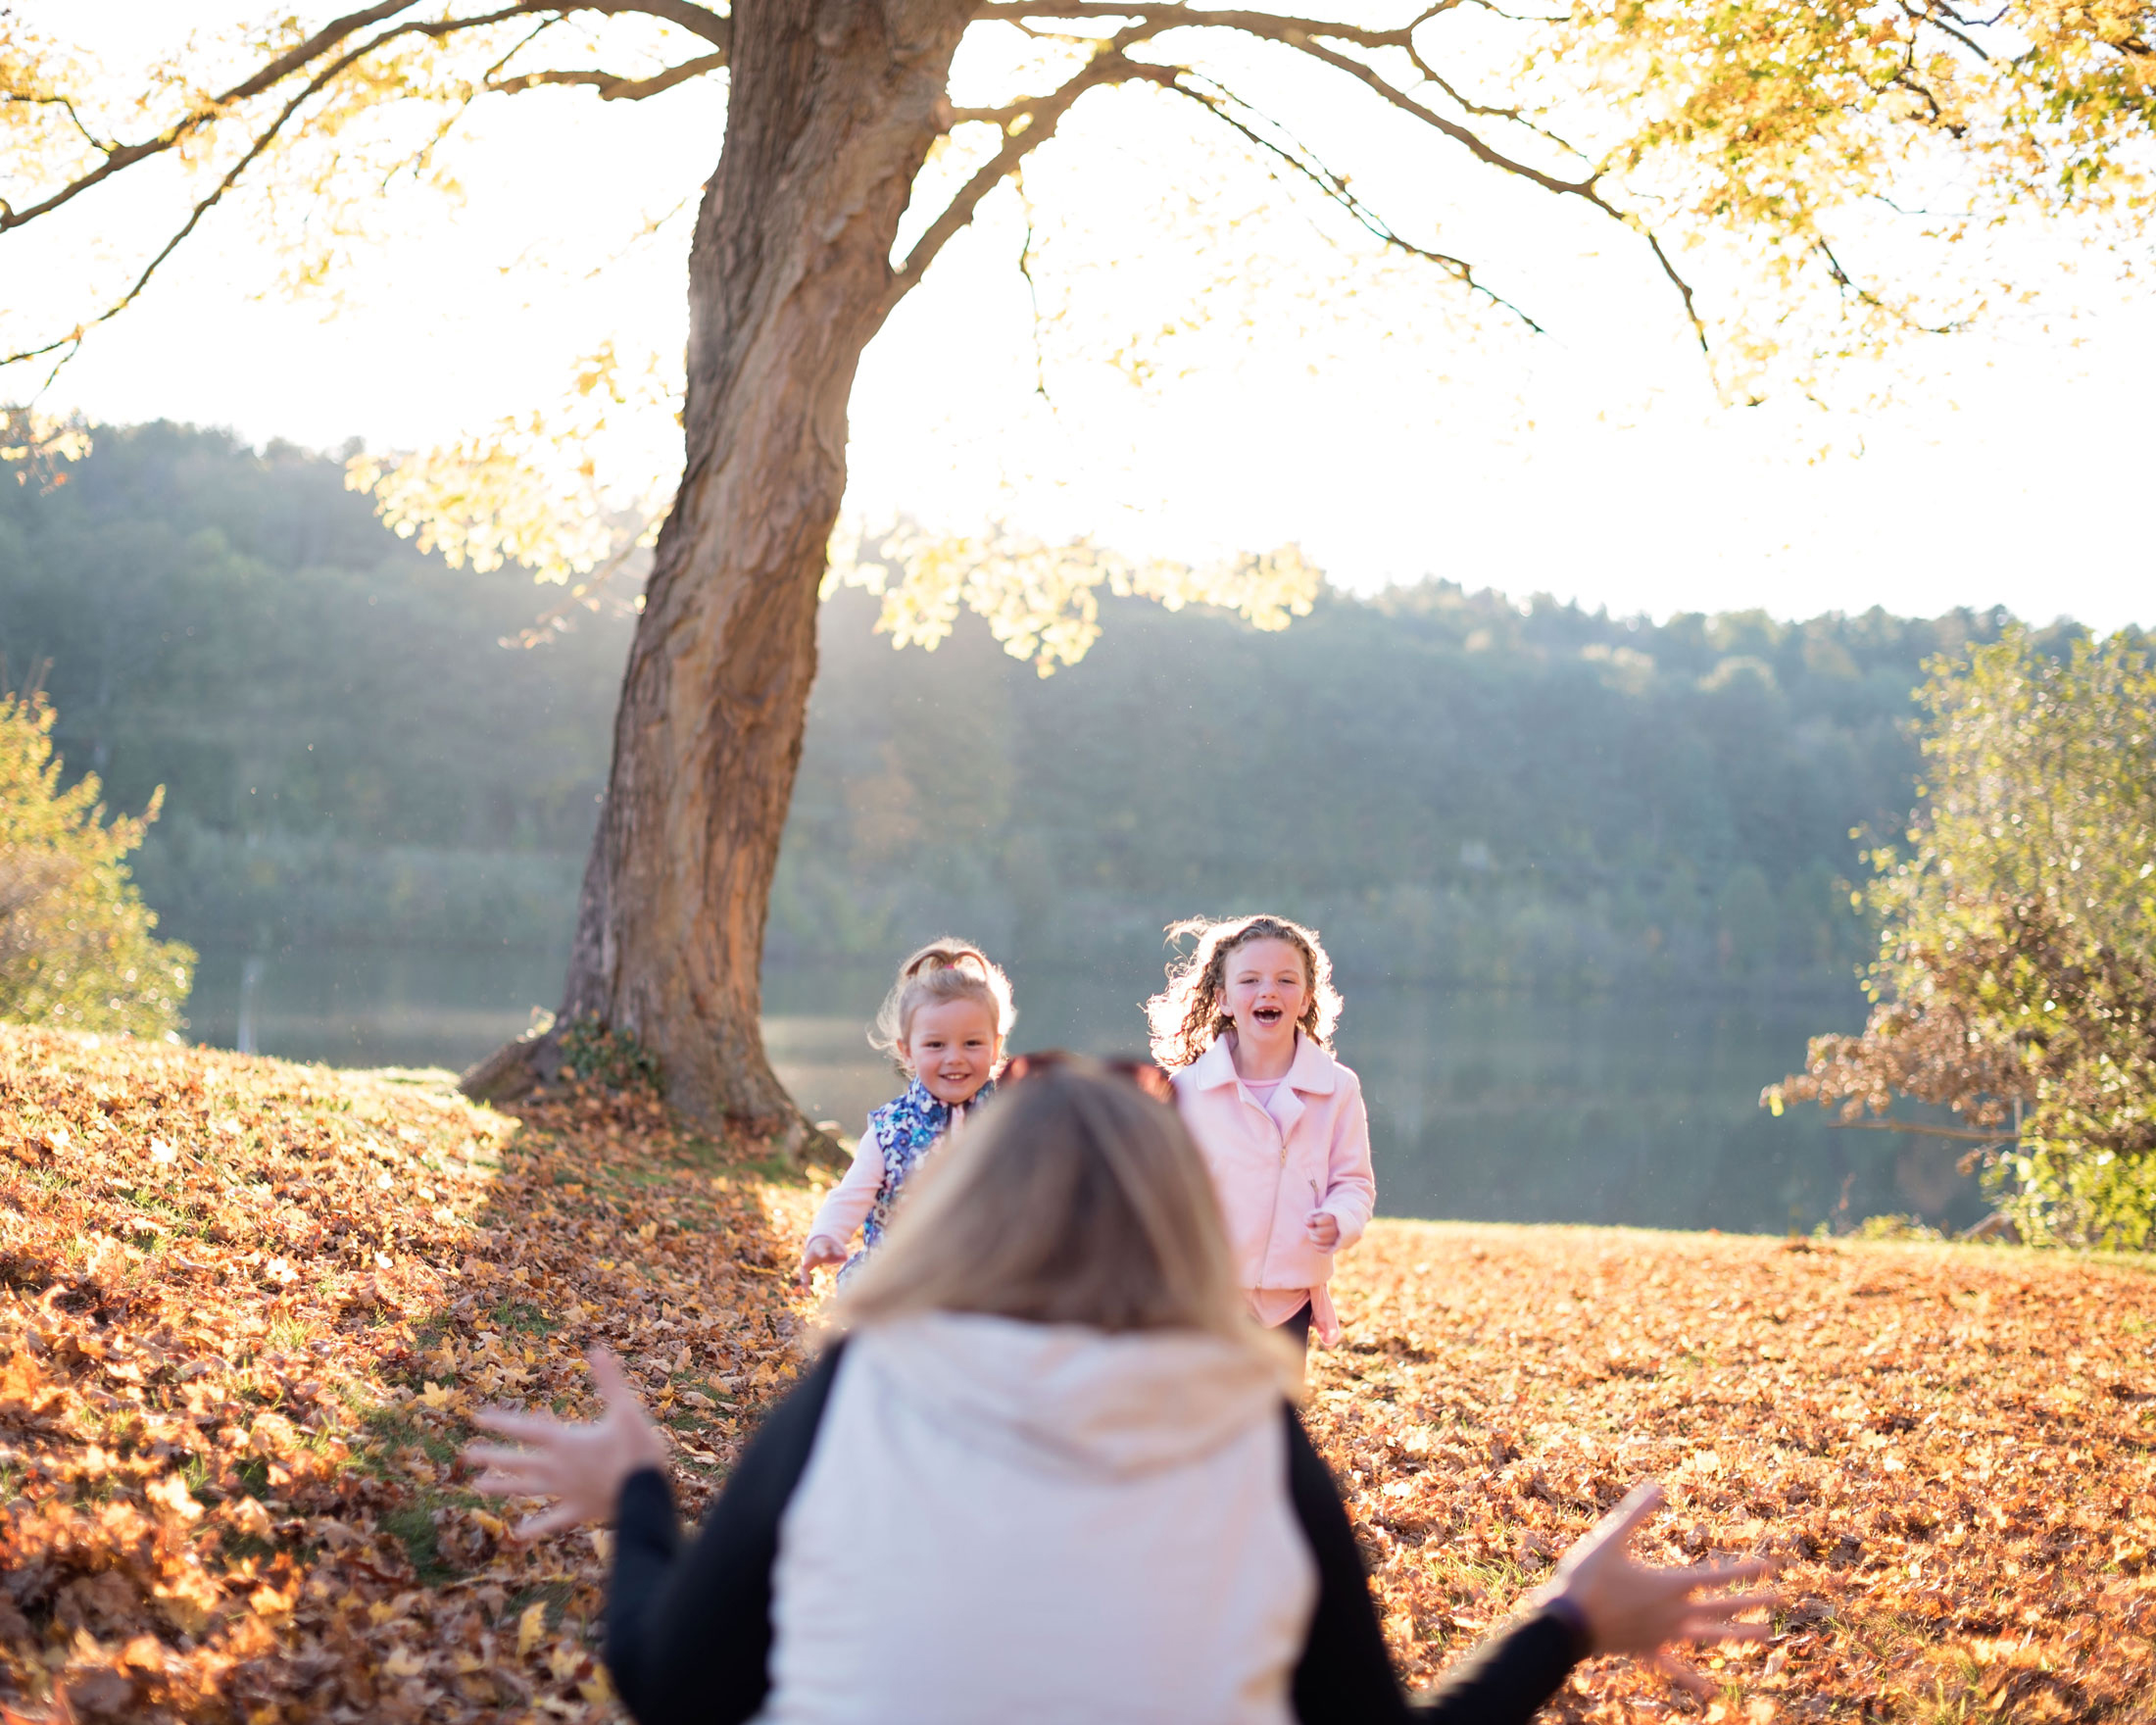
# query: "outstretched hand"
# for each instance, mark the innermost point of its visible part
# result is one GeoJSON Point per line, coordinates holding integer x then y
{"type": "Point", "coordinates": [581, 1466]}
{"type": "Point", "coordinates": [821, 1253]}
{"type": "Point", "coordinates": [1631, 1607]}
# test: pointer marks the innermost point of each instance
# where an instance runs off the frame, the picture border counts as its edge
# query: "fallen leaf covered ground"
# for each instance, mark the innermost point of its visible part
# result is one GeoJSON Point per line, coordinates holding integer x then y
{"type": "Point", "coordinates": [1948, 1448]}
{"type": "Point", "coordinates": [247, 1309]}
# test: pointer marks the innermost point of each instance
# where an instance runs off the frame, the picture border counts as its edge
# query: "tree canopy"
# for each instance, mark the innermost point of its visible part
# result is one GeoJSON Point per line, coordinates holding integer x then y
{"type": "Point", "coordinates": [1809, 181]}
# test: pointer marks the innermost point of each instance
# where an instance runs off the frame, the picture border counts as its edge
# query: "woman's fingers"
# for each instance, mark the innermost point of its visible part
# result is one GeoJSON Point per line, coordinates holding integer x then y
{"type": "Point", "coordinates": [1611, 1532]}
{"type": "Point", "coordinates": [513, 1425]}
{"type": "Point", "coordinates": [614, 1383]}
{"type": "Point", "coordinates": [1729, 1604]}
{"type": "Point", "coordinates": [1710, 1627]}
{"type": "Point", "coordinates": [495, 1454]}
{"type": "Point", "coordinates": [528, 1468]}
{"type": "Point", "coordinates": [548, 1521]}
{"type": "Point", "coordinates": [1726, 1574]}
{"type": "Point", "coordinates": [1681, 1674]}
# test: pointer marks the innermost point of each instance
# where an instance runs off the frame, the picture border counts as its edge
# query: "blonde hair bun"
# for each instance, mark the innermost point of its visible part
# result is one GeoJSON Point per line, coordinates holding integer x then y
{"type": "Point", "coordinates": [943, 970]}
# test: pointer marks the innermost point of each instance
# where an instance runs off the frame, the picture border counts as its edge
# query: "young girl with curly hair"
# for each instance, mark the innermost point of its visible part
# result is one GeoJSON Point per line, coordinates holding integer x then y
{"type": "Point", "coordinates": [1246, 1025]}
{"type": "Point", "coordinates": [944, 1022]}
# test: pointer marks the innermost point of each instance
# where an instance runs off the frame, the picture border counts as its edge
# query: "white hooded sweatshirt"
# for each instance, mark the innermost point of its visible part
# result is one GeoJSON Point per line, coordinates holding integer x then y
{"type": "Point", "coordinates": [1027, 1524]}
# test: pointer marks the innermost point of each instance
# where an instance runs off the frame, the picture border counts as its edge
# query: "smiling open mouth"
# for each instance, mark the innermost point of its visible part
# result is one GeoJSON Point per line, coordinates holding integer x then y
{"type": "Point", "coordinates": [1267, 1014]}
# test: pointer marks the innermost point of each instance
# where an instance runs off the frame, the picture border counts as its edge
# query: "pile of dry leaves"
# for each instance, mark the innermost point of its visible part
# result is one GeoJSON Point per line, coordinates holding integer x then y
{"type": "Point", "coordinates": [247, 1309]}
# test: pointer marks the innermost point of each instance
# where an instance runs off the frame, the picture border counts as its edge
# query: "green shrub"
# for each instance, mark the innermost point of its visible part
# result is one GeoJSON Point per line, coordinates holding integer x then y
{"type": "Point", "coordinates": [76, 949]}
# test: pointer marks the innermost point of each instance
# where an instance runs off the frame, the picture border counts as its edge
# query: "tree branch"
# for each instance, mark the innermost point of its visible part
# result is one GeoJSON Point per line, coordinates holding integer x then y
{"type": "Point", "coordinates": [712, 27]}
{"type": "Point", "coordinates": [1849, 285]}
{"type": "Point", "coordinates": [612, 86]}
{"type": "Point", "coordinates": [1041, 117]}
{"type": "Point", "coordinates": [699, 20]}
{"type": "Point", "coordinates": [122, 156]}
{"type": "Point", "coordinates": [1152, 20]}
{"type": "Point", "coordinates": [68, 107]}
{"type": "Point", "coordinates": [1305, 162]}
{"type": "Point", "coordinates": [1959, 1134]}
{"type": "Point", "coordinates": [1311, 37]}
{"type": "Point", "coordinates": [73, 339]}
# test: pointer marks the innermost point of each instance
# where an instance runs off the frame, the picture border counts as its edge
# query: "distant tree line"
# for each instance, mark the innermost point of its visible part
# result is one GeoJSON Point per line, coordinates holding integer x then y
{"type": "Point", "coordinates": [1451, 784]}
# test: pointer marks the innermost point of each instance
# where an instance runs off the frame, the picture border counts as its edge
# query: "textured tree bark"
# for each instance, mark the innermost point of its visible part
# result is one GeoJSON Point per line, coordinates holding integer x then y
{"type": "Point", "coordinates": [832, 109]}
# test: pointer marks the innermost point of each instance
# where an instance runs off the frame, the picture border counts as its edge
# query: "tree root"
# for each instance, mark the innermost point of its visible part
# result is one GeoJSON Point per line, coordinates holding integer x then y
{"type": "Point", "coordinates": [518, 1069]}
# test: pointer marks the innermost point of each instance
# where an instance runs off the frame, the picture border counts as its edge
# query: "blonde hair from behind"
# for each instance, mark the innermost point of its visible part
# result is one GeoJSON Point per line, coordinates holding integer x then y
{"type": "Point", "coordinates": [1185, 1017]}
{"type": "Point", "coordinates": [943, 970]}
{"type": "Point", "coordinates": [1074, 1199]}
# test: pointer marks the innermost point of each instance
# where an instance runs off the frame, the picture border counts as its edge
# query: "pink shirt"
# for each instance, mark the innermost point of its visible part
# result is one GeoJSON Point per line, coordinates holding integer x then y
{"type": "Point", "coordinates": [1275, 1163]}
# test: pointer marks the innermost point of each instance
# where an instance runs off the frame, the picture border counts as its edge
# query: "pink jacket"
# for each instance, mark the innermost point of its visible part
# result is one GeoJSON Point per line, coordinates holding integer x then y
{"type": "Point", "coordinates": [1270, 1180]}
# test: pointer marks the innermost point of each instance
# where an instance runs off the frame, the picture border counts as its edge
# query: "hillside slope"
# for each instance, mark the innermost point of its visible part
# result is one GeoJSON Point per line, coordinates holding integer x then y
{"type": "Point", "coordinates": [246, 1309]}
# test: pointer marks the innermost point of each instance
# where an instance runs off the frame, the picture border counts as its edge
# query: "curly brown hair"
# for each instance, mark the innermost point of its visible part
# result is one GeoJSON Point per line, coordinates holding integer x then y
{"type": "Point", "coordinates": [1187, 1015]}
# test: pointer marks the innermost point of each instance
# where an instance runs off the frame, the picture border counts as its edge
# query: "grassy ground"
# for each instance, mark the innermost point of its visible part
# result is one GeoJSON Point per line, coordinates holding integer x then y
{"type": "Point", "coordinates": [246, 1309]}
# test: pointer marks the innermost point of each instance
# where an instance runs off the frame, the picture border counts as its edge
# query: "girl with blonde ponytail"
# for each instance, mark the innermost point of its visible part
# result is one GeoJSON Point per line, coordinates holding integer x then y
{"type": "Point", "coordinates": [942, 1023]}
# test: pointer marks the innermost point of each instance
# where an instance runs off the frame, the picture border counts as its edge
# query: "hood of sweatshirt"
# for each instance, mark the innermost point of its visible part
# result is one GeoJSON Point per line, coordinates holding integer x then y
{"type": "Point", "coordinates": [1067, 1398]}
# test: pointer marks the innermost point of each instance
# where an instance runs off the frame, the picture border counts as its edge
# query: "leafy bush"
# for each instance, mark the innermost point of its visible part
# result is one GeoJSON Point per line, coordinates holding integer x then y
{"type": "Point", "coordinates": [2015, 982]}
{"type": "Point", "coordinates": [76, 951]}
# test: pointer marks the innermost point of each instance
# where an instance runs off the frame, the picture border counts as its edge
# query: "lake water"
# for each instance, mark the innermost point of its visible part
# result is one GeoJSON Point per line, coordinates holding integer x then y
{"type": "Point", "coordinates": [1633, 1110]}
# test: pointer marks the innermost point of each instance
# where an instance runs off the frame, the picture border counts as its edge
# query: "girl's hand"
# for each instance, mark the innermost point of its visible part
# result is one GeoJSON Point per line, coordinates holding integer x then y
{"type": "Point", "coordinates": [821, 1253]}
{"type": "Point", "coordinates": [582, 1467]}
{"type": "Point", "coordinates": [1322, 1230]}
{"type": "Point", "coordinates": [1629, 1607]}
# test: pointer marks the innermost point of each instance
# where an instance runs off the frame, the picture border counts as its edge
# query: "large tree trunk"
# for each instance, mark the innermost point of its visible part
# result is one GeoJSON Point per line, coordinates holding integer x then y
{"type": "Point", "coordinates": [832, 109]}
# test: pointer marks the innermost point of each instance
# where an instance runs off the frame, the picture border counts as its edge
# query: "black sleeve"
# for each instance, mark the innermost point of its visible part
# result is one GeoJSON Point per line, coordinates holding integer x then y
{"type": "Point", "coordinates": [689, 1635]}
{"type": "Point", "coordinates": [1345, 1676]}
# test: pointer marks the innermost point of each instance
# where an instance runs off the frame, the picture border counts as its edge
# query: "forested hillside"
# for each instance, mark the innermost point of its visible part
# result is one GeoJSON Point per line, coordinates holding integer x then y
{"type": "Point", "coordinates": [1450, 783]}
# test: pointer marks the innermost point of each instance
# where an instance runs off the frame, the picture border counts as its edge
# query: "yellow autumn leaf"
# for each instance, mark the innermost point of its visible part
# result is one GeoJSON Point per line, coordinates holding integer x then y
{"type": "Point", "coordinates": [186, 1600]}
{"type": "Point", "coordinates": [567, 1660]}
{"type": "Point", "coordinates": [169, 1494]}
{"type": "Point", "coordinates": [530, 1626]}
{"type": "Point", "coordinates": [248, 1516]}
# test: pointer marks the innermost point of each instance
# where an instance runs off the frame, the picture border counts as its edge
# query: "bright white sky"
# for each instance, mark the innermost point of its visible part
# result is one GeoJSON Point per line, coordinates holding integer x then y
{"type": "Point", "coordinates": [1591, 462]}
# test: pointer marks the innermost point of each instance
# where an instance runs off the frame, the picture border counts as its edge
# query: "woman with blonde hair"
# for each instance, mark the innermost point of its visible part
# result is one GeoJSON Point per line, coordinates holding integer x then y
{"type": "Point", "coordinates": [1050, 1473]}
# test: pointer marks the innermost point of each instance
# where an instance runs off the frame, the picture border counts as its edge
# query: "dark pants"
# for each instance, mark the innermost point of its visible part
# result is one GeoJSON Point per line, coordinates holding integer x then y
{"type": "Point", "coordinates": [1297, 1329]}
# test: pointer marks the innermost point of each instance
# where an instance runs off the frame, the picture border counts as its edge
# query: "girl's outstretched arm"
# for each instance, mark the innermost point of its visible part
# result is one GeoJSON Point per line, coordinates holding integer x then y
{"type": "Point", "coordinates": [1352, 1188]}
{"type": "Point", "coordinates": [847, 1205]}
